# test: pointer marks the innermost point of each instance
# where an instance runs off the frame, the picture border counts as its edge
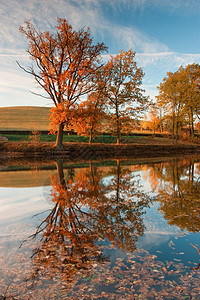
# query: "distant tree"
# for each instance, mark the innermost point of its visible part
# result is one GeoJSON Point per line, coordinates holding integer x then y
{"type": "Point", "coordinates": [179, 197]}
{"type": "Point", "coordinates": [154, 119]}
{"type": "Point", "coordinates": [65, 65]}
{"type": "Point", "coordinates": [87, 119]}
{"type": "Point", "coordinates": [179, 96]}
{"type": "Point", "coordinates": [192, 99]}
{"type": "Point", "coordinates": [144, 122]}
{"type": "Point", "coordinates": [124, 95]}
{"type": "Point", "coordinates": [170, 98]}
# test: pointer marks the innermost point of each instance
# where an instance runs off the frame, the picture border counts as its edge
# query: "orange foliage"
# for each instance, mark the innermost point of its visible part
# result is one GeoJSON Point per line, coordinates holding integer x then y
{"type": "Point", "coordinates": [86, 119]}
{"type": "Point", "coordinates": [57, 116]}
{"type": "Point", "coordinates": [124, 94]}
{"type": "Point", "coordinates": [66, 66]}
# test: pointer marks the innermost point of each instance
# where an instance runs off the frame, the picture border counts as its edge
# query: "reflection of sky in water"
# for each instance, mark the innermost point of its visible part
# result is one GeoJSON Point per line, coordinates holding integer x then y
{"type": "Point", "coordinates": [21, 204]}
{"type": "Point", "coordinates": [157, 230]}
{"type": "Point", "coordinates": [17, 204]}
{"type": "Point", "coordinates": [161, 242]}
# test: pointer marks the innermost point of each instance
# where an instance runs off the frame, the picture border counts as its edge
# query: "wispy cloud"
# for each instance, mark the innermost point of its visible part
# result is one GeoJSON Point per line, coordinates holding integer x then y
{"type": "Point", "coordinates": [126, 37]}
{"type": "Point", "coordinates": [79, 13]}
{"type": "Point", "coordinates": [156, 65]}
{"type": "Point", "coordinates": [82, 13]}
{"type": "Point", "coordinates": [15, 84]}
{"type": "Point", "coordinates": [44, 16]}
{"type": "Point", "coordinates": [170, 5]}
{"type": "Point", "coordinates": [169, 61]}
{"type": "Point", "coordinates": [152, 55]}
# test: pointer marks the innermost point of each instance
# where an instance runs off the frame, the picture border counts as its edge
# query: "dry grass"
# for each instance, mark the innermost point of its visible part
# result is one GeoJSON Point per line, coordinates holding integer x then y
{"type": "Point", "coordinates": [27, 178]}
{"type": "Point", "coordinates": [24, 118]}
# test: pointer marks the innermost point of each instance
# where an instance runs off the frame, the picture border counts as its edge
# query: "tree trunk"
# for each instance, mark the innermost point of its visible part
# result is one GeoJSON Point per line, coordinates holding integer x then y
{"type": "Point", "coordinates": [61, 177]}
{"type": "Point", "coordinates": [118, 181]}
{"type": "Point", "coordinates": [59, 139]}
{"type": "Point", "coordinates": [173, 126]}
{"type": "Point", "coordinates": [192, 126]}
{"type": "Point", "coordinates": [117, 124]}
{"type": "Point", "coordinates": [90, 137]}
{"type": "Point", "coordinates": [191, 175]}
{"type": "Point", "coordinates": [154, 129]}
{"type": "Point", "coordinates": [118, 131]}
{"type": "Point", "coordinates": [118, 139]}
{"type": "Point", "coordinates": [176, 131]}
{"type": "Point", "coordinates": [173, 175]}
{"type": "Point", "coordinates": [160, 123]}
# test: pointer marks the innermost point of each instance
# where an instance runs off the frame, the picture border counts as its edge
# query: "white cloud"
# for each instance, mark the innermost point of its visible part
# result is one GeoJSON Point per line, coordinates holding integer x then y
{"type": "Point", "coordinates": [156, 65]}
{"type": "Point", "coordinates": [126, 38]}
{"type": "Point", "coordinates": [168, 5]}
{"type": "Point", "coordinates": [155, 60]}
{"type": "Point", "coordinates": [79, 13]}
{"type": "Point", "coordinates": [15, 84]}
{"type": "Point", "coordinates": [43, 14]}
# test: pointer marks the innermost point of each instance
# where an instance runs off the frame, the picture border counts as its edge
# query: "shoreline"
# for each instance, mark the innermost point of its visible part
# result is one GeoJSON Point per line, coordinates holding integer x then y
{"type": "Point", "coordinates": [75, 150]}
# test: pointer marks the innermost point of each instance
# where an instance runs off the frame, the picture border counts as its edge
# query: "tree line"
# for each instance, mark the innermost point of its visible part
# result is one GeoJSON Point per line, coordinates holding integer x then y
{"type": "Point", "coordinates": [178, 102]}
{"type": "Point", "coordinates": [70, 71]}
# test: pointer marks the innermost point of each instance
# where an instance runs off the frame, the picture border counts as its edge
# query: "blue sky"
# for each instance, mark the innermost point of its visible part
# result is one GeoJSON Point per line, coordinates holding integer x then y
{"type": "Point", "coordinates": [164, 33]}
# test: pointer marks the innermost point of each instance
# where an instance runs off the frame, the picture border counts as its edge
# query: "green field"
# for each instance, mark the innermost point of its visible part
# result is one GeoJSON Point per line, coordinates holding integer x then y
{"type": "Point", "coordinates": [104, 139]}
{"type": "Point", "coordinates": [24, 118]}
{"type": "Point", "coordinates": [33, 118]}
{"type": "Point", "coordinates": [66, 138]}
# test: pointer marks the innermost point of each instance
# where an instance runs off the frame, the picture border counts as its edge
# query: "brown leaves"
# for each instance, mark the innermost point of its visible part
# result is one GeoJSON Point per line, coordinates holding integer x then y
{"type": "Point", "coordinates": [195, 248]}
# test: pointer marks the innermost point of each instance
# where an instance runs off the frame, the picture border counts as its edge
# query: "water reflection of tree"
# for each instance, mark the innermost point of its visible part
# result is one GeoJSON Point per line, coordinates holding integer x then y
{"type": "Point", "coordinates": [124, 206]}
{"type": "Point", "coordinates": [179, 195]}
{"type": "Point", "coordinates": [88, 213]}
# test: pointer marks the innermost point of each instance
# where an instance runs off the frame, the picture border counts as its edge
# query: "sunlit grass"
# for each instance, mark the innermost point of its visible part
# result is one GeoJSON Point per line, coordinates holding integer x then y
{"type": "Point", "coordinates": [103, 139]}
{"type": "Point", "coordinates": [66, 138]}
{"type": "Point", "coordinates": [24, 118]}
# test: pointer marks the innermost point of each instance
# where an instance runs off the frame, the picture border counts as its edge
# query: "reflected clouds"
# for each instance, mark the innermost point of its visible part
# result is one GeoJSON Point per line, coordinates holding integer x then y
{"type": "Point", "coordinates": [17, 204]}
{"type": "Point", "coordinates": [100, 225]}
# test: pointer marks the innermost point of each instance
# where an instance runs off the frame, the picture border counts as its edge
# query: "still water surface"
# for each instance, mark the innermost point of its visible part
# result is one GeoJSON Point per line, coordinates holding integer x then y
{"type": "Point", "coordinates": [100, 230]}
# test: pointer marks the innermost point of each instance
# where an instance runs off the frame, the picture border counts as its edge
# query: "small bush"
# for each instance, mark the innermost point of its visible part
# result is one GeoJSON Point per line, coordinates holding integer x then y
{"type": "Point", "coordinates": [35, 136]}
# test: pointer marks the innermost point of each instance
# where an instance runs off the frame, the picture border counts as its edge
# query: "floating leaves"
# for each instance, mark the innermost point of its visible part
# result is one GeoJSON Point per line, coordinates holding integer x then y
{"type": "Point", "coordinates": [86, 246]}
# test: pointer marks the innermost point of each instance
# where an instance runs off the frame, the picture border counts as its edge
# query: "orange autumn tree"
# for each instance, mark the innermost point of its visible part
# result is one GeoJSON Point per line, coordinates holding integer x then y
{"type": "Point", "coordinates": [64, 66]}
{"type": "Point", "coordinates": [87, 117]}
{"type": "Point", "coordinates": [124, 94]}
{"type": "Point", "coordinates": [87, 120]}
{"type": "Point", "coordinates": [154, 118]}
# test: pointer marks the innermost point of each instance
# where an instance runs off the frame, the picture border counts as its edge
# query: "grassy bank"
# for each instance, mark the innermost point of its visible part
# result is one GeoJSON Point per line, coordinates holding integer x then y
{"type": "Point", "coordinates": [140, 148]}
{"type": "Point", "coordinates": [103, 139]}
{"type": "Point", "coordinates": [52, 138]}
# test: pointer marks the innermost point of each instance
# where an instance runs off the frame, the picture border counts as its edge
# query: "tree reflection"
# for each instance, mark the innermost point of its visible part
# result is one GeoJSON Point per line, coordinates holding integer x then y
{"type": "Point", "coordinates": [89, 214]}
{"type": "Point", "coordinates": [123, 209]}
{"type": "Point", "coordinates": [179, 196]}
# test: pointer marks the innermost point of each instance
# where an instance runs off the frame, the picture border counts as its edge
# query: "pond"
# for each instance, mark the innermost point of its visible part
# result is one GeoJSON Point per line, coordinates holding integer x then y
{"type": "Point", "coordinates": [117, 229]}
